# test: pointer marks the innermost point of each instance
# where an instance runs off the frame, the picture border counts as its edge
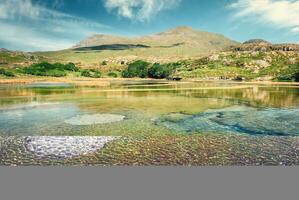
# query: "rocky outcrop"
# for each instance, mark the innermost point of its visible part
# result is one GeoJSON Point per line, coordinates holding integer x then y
{"type": "Point", "coordinates": [262, 47]}
{"type": "Point", "coordinates": [256, 41]}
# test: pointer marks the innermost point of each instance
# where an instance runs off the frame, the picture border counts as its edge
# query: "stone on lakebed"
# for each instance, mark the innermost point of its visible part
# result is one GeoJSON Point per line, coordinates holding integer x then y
{"type": "Point", "coordinates": [95, 119]}
{"type": "Point", "coordinates": [65, 146]}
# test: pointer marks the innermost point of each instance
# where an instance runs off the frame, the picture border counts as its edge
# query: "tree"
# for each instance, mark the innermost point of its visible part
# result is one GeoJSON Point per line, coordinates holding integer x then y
{"type": "Point", "coordinates": [92, 73]}
{"type": "Point", "coordinates": [138, 68]}
{"type": "Point", "coordinates": [160, 71]}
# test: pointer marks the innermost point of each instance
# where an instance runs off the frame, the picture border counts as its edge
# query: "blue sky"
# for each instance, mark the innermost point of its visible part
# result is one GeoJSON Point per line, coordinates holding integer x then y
{"type": "Point", "coordinates": [38, 25]}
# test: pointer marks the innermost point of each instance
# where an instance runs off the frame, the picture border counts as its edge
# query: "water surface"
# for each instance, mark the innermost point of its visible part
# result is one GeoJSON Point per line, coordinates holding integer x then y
{"type": "Point", "coordinates": [150, 108]}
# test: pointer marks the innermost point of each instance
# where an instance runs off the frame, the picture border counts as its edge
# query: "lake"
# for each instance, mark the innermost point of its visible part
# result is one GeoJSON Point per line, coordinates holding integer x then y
{"type": "Point", "coordinates": [150, 108]}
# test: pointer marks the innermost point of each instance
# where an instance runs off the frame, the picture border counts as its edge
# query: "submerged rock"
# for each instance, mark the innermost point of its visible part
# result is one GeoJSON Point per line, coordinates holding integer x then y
{"type": "Point", "coordinates": [95, 119]}
{"type": "Point", "coordinates": [238, 119]}
{"type": "Point", "coordinates": [65, 146]}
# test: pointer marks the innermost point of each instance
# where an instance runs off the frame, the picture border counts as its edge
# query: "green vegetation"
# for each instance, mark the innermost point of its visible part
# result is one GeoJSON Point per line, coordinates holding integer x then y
{"type": "Point", "coordinates": [247, 65]}
{"type": "Point", "coordinates": [6, 73]}
{"type": "Point", "coordinates": [290, 74]}
{"type": "Point", "coordinates": [104, 62]}
{"type": "Point", "coordinates": [138, 68]}
{"type": "Point", "coordinates": [71, 67]}
{"type": "Point", "coordinates": [159, 71]}
{"type": "Point", "coordinates": [47, 69]}
{"type": "Point", "coordinates": [237, 66]}
{"type": "Point", "coordinates": [8, 57]}
{"type": "Point", "coordinates": [226, 65]}
{"type": "Point", "coordinates": [112, 74]}
{"type": "Point", "coordinates": [143, 69]}
{"type": "Point", "coordinates": [92, 73]}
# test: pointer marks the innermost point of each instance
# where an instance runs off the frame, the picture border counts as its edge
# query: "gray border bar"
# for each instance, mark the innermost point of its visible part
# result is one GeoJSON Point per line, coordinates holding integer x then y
{"type": "Point", "coordinates": [76, 183]}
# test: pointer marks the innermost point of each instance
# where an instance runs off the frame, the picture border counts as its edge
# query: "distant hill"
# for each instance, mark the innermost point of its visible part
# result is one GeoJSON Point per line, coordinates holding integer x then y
{"type": "Point", "coordinates": [10, 58]}
{"type": "Point", "coordinates": [185, 38]}
{"type": "Point", "coordinates": [256, 41]}
{"type": "Point", "coordinates": [172, 45]}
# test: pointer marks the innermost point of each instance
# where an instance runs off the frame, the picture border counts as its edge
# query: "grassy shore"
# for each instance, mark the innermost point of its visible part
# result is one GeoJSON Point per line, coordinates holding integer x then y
{"type": "Point", "coordinates": [83, 81]}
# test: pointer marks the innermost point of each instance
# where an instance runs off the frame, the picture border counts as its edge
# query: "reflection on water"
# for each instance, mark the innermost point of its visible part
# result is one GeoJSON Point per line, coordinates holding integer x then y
{"type": "Point", "coordinates": [41, 109]}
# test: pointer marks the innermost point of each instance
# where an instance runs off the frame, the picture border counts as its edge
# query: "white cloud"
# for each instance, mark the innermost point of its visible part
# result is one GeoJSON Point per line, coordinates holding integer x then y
{"type": "Point", "coordinates": [28, 26]}
{"type": "Point", "coordinates": [141, 10]}
{"type": "Point", "coordinates": [295, 30]}
{"type": "Point", "coordinates": [12, 9]}
{"type": "Point", "coordinates": [24, 38]}
{"type": "Point", "coordinates": [279, 13]}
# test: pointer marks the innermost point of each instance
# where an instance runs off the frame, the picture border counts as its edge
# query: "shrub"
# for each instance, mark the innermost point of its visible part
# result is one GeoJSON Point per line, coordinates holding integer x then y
{"type": "Point", "coordinates": [160, 71]}
{"type": "Point", "coordinates": [55, 73]}
{"type": "Point", "coordinates": [47, 69]}
{"type": "Point", "coordinates": [71, 67]}
{"type": "Point", "coordinates": [6, 73]}
{"type": "Point", "coordinates": [296, 77]}
{"type": "Point", "coordinates": [86, 73]}
{"type": "Point", "coordinates": [238, 78]}
{"type": "Point", "coordinates": [290, 74]}
{"type": "Point", "coordinates": [92, 73]}
{"type": "Point", "coordinates": [58, 66]}
{"type": "Point", "coordinates": [97, 74]}
{"type": "Point", "coordinates": [104, 62]}
{"type": "Point", "coordinates": [137, 69]}
{"type": "Point", "coordinates": [112, 74]}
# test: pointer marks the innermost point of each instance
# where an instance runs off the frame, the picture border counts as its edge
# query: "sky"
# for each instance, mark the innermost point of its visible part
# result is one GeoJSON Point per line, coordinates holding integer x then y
{"type": "Point", "coordinates": [46, 25]}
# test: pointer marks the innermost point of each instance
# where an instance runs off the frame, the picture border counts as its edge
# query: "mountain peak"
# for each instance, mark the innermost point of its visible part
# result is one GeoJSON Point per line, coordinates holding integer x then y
{"type": "Point", "coordinates": [180, 29]}
{"type": "Point", "coordinates": [183, 28]}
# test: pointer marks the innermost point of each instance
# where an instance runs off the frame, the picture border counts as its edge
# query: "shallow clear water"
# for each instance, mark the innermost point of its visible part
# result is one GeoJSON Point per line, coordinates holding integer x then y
{"type": "Point", "coordinates": [150, 108]}
{"type": "Point", "coordinates": [236, 119]}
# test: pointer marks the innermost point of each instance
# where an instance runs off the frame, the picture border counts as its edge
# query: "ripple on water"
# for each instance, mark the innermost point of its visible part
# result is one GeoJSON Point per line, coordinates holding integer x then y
{"type": "Point", "coordinates": [236, 119]}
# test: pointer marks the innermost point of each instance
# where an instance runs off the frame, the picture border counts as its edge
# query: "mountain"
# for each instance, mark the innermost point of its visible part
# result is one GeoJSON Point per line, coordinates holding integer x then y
{"type": "Point", "coordinates": [185, 38]}
{"type": "Point", "coordinates": [176, 44]}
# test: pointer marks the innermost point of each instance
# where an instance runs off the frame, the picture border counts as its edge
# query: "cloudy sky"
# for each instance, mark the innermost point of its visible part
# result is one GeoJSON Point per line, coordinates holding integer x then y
{"type": "Point", "coordinates": [39, 25]}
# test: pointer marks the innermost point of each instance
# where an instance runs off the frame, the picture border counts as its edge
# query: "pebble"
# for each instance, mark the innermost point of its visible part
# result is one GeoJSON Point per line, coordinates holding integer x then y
{"type": "Point", "coordinates": [65, 146]}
